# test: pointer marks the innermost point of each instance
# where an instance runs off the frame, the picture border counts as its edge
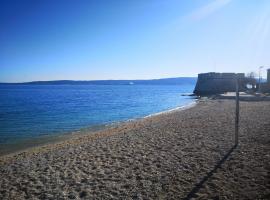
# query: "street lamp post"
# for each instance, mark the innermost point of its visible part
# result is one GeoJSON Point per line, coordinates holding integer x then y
{"type": "Point", "coordinates": [260, 77]}
{"type": "Point", "coordinates": [236, 111]}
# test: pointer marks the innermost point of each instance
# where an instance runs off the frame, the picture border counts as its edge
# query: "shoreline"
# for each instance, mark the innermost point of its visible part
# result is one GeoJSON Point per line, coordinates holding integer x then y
{"type": "Point", "coordinates": [167, 156]}
{"type": "Point", "coordinates": [180, 108]}
{"type": "Point", "coordinates": [32, 143]}
{"type": "Point", "coordinates": [41, 141]}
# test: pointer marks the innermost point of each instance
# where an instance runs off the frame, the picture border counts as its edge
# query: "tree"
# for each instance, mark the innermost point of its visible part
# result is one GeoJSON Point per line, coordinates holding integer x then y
{"type": "Point", "coordinates": [251, 75]}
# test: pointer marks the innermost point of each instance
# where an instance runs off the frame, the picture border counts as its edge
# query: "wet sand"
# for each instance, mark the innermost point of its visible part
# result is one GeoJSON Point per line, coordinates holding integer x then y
{"type": "Point", "coordinates": [168, 156]}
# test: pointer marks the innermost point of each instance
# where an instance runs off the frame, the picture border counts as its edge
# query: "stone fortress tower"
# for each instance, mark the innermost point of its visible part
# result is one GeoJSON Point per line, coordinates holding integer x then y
{"type": "Point", "coordinates": [218, 83]}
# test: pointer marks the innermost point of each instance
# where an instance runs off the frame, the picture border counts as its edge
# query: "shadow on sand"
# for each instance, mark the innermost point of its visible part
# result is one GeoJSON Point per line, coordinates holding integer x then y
{"type": "Point", "coordinates": [199, 185]}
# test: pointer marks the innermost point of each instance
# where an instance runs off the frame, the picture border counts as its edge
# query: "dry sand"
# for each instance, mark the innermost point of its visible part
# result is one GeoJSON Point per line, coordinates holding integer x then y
{"type": "Point", "coordinates": [168, 156]}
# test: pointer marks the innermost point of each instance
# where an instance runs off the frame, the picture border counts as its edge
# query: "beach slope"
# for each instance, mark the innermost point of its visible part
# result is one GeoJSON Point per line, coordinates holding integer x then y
{"type": "Point", "coordinates": [177, 155]}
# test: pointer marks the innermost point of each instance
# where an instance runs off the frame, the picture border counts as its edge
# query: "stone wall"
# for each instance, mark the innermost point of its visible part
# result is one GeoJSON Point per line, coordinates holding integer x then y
{"type": "Point", "coordinates": [265, 87]}
{"type": "Point", "coordinates": [217, 83]}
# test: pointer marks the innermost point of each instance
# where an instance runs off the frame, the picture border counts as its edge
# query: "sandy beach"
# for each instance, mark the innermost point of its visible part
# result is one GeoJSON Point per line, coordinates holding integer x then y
{"type": "Point", "coordinates": [183, 154]}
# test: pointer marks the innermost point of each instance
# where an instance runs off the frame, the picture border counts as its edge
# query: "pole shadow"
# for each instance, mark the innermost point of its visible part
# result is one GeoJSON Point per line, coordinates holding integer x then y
{"type": "Point", "coordinates": [199, 185]}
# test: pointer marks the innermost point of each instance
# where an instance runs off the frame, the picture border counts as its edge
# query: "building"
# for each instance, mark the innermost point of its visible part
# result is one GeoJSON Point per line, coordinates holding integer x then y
{"type": "Point", "coordinates": [265, 87]}
{"type": "Point", "coordinates": [268, 75]}
{"type": "Point", "coordinates": [218, 83]}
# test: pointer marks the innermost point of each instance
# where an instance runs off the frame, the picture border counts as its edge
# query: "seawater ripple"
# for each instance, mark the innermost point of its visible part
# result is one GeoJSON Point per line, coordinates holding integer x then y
{"type": "Point", "coordinates": [28, 111]}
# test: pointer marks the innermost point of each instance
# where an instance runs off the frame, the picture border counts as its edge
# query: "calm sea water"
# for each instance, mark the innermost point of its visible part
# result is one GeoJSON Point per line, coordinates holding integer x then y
{"type": "Point", "coordinates": [32, 111]}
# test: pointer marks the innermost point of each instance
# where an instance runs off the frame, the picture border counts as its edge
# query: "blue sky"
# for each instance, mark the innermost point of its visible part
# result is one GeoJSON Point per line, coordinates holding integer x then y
{"type": "Point", "coordinates": [140, 39]}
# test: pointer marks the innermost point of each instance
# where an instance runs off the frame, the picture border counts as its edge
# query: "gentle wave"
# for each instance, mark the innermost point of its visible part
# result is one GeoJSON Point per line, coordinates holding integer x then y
{"type": "Point", "coordinates": [33, 111]}
{"type": "Point", "coordinates": [185, 107]}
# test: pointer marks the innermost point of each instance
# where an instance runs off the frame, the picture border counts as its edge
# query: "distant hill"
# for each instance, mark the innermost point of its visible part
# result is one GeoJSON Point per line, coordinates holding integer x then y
{"type": "Point", "coordinates": [165, 81]}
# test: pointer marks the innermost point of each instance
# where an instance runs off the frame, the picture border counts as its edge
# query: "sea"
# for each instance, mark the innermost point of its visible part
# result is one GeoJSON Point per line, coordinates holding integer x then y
{"type": "Point", "coordinates": [39, 112]}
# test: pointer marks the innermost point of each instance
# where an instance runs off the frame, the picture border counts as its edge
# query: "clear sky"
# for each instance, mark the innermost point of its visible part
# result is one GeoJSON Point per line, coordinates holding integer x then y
{"type": "Point", "coordinates": [131, 39]}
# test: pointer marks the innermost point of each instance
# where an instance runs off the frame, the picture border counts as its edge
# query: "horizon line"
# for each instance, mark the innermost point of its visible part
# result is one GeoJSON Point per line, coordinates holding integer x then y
{"type": "Point", "coordinates": [97, 80]}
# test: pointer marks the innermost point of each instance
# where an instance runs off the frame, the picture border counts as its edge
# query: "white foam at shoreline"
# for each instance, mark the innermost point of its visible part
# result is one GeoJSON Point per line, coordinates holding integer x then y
{"type": "Point", "coordinates": [185, 107]}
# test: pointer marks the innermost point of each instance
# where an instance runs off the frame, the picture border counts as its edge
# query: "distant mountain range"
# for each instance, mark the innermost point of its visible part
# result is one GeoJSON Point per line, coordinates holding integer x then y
{"type": "Point", "coordinates": [165, 81]}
